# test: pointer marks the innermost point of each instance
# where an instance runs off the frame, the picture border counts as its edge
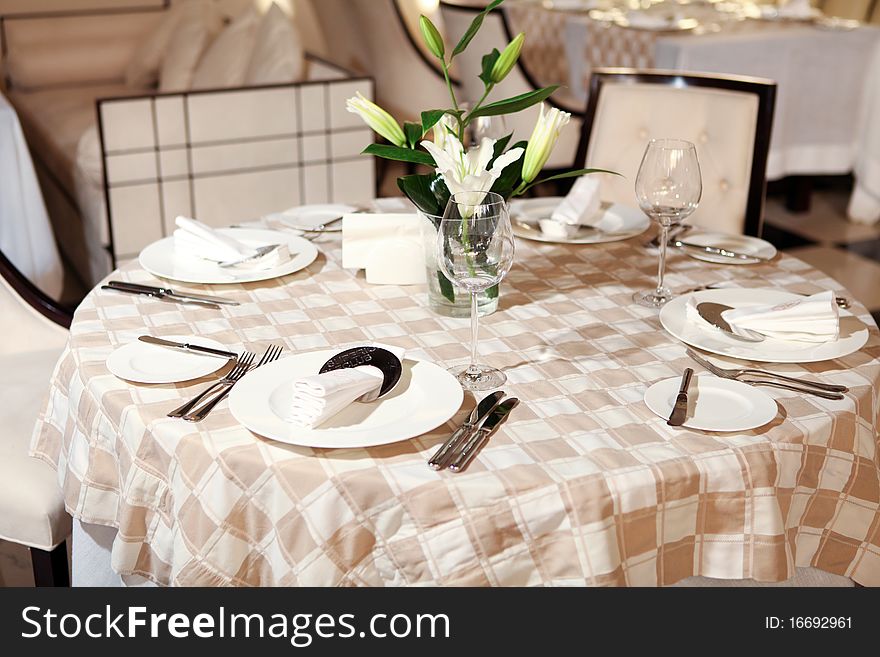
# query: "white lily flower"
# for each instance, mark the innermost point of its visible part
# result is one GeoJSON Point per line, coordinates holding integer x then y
{"type": "Point", "coordinates": [377, 118]}
{"type": "Point", "coordinates": [543, 139]}
{"type": "Point", "coordinates": [467, 171]}
{"type": "Point", "coordinates": [443, 130]}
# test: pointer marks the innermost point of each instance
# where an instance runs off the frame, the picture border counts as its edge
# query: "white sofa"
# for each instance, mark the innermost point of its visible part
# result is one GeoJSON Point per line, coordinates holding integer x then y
{"type": "Point", "coordinates": [225, 155]}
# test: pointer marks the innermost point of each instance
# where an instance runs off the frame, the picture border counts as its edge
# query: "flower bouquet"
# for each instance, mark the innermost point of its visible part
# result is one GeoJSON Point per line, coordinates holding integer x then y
{"type": "Point", "coordinates": [491, 165]}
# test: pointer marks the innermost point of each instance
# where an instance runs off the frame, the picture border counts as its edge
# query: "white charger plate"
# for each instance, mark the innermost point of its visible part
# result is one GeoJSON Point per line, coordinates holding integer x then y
{"type": "Point", "coordinates": [714, 404]}
{"type": "Point", "coordinates": [740, 243]}
{"type": "Point", "coordinates": [161, 259]}
{"type": "Point", "coordinates": [426, 397]}
{"type": "Point", "coordinates": [148, 363]}
{"type": "Point", "coordinates": [526, 213]}
{"type": "Point", "coordinates": [673, 317]}
{"type": "Point", "coordinates": [313, 215]}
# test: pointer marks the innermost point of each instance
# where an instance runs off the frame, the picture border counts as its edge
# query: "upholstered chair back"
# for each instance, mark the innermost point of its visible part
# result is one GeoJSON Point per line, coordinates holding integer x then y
{"type": "Point", "coordinates": [23, 328]}
{"type": "Point", "coordinates": [723, 124]}
{"type": "Point", "coordinates": [496, 33]}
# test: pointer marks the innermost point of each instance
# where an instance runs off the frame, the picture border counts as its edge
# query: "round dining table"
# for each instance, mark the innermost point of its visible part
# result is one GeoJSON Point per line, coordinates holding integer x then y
{"type": "Point", "coordinates": [583, 485]}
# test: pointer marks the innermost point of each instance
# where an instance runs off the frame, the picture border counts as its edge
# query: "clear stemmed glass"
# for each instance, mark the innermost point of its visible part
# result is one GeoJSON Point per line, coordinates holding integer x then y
{"type": "Point", "coordinates": [475, 250]}
{"type": "Point", "coordinates": [668, 187]}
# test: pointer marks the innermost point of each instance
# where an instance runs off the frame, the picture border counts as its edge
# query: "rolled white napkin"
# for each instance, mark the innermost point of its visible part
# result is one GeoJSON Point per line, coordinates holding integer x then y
{"type": "Point", "coordinates": [319, 397]}
{"type": "Point", "coordinates": [198, 239]}
{"type": "Point", "coordinates": [580, 207]}
{"type": "Point", "coordinates": [645, 20]}
{"type": "Point", "coordinates": [812, 319]}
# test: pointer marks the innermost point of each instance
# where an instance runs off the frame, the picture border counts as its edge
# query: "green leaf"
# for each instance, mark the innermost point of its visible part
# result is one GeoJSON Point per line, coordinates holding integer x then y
{"type": "Point", "coordinates": [428, 192]}
{"type": "Point", "coordinates": [430, 118]}
{"type": "Point", "coordinates": [492, 292]}
{"type": "Point", "coordinates": [500, 145]}
{"type": "Point", "coordinates": [577, 173]}
{"type": "Point", "coordinates": [400, 154]}
{"type": "Point", "coordinates": [511, 175]}
{"type": "Point", "coordinates": [489, 64]}
{"type": "Point", "coordinates": [516, 103]}
{"type": "Point", "coordinates": [446, 287]}
{"type": "Point", "coordinates": [413, 132]}
{"type": "Point", "coordinates": [474, 28]}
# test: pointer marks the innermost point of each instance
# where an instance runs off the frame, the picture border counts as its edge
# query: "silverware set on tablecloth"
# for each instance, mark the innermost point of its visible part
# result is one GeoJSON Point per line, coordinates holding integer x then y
{"type": "Point", "coordinates": [468, 439]}
{"type": "Point", "coordinates": [198, 408]}
{"type": "Point", "coordinates": [168, 294]}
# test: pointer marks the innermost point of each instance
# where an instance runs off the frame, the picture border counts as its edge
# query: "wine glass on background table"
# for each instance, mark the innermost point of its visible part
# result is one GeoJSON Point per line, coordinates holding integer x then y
{"type": "Point", "coordinates": [668, 187]}
{"type": "Point", "coordinates": [475, 249]}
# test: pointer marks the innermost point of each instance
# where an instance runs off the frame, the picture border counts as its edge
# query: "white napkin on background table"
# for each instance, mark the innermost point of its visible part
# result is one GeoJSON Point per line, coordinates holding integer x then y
{"type": "Point", "coordinates": [319, 397]}
{"type": "Point", "coordinates": [204, 242]}
{"type": "Point", "coordinates": [812, 319]}
{"type": "Point", "coordinates": [796, 9]}
{"type": "Point", "coordinates": [578, 208]}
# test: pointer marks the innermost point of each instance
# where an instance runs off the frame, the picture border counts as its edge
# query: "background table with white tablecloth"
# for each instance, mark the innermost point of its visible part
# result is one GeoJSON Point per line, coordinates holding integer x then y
{"type": "Point", "coordinates": [25, 232]}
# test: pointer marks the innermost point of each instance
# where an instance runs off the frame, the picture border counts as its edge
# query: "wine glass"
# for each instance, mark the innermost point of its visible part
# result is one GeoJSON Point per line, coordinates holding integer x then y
{"type": "Point", "coordinates": [488, 127]}
{"type": "Point", "coordinates": [475, 250]}
{"type": "Point", "coordinates": [668, 187]}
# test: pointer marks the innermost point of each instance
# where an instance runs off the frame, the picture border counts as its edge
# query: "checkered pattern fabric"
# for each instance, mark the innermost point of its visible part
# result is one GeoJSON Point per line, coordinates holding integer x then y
{"type": "Point", "coordinates": [582, 486]}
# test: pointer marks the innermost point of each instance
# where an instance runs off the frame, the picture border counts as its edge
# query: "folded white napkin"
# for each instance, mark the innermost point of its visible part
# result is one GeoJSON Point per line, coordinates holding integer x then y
{"type": "Point", "coordinates": [645, 20]}
{"type": "Point", "coordinates": [319, 397]}
{"type": "Point", "coordinates": [195, 238]}
{"type": "Point", "coordinates": [812, 319]}
{"type": "Point", "coordinates": [578, 208]}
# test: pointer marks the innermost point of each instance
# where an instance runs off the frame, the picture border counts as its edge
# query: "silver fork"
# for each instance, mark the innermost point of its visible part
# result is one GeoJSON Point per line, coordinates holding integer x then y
{"type": "Point", "coordinates": [272, 353]}
{"type": "Point", "coordinates": [241, 366]}
{"type": "Point", "coordinates": [735, 374]}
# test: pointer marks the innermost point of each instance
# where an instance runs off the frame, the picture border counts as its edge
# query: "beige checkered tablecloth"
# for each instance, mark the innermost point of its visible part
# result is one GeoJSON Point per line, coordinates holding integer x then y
{"type": "Point", "coordinates": [583, 486]}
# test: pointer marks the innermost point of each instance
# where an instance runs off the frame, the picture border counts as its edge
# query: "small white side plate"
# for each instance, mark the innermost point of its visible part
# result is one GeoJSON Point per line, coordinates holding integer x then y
{"type": "Point", "coordinates": [313, 215]}
{"type": "Point", "coordinates": [426, 397]}
{"type": "Point", "coordinates": [162, 260]}
{"type": "Point", "coordinates": [739, 243]}
{"type": "Point", "coordinates": [526, 213]}
{"type": "Point", "coordinates": [140, 362]}
{"type": "Point", "coordinates": [714, 404]}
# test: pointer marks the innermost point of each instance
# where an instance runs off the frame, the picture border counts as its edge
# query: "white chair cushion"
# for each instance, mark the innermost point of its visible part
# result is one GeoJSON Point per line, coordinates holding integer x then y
{"type": "Point", "coordinates": [721, 123]}
{"type": "Point", "coordinates": [278, 54]}
{"type": "Point", "coordinates": [192, 35]}
{"type": "Point", "coordinates": [225, 63]}
{"type": "Point", "coordinates": [143, 67]}
{"type": "Point", "coordinates": [31, 507]}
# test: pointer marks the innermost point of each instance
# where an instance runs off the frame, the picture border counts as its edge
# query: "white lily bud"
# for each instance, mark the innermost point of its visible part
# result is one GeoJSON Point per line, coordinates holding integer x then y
{"type": "Point", "coordinates": [543, 140]}
{"type": "Point", "coordinates": [377, 118]}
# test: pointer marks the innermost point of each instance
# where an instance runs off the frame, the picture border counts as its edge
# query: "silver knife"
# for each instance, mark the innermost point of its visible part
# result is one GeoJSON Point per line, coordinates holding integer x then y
{"type": "Point", "coordinates": [185, 346]}
{"type": "Point", "coordinates": [717, 250]}
{"type": "Point", "coordinates": [167, 291]}
{"type": "Point", "coordinates": [481, 411]}
{"type": "Point", "coordinates": [679, 410]}
{"type": "Point", "coordinates": [711, 312]}
{"type": "Point", "coordinates": [481, 436]}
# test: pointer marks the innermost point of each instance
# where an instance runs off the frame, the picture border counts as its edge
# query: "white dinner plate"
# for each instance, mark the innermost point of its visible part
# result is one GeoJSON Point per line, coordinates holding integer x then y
{"type": "Point", "coordinates": [739, 243]}
{"type": "Point", "coordinates": [313, 215]}
{"type": "Point", "coordinates": [148, 363]}
{"type": "Point", "coordinates": [526, 213]}
{"type": "Point", "coordinates": [673, 317]}
{"type": "Point", "coordinates": [162, 260]}
{"type": "Point", "coordinates": [714, 404]}
{"type": "Point", "coordinates": [426, 397]}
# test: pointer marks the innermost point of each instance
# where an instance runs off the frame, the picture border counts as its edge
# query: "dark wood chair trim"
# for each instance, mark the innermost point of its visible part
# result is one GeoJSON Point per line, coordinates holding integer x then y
{"type": "Point", "coordinates": [34, 296]}
{"type": "Point", "coordinates": [765, 90]}
{"type": "Point", "coordinates": [50, 566]}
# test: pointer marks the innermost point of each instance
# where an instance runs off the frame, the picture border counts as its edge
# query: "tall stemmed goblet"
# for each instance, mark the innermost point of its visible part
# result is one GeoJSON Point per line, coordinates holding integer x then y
{"type": "Point", "coordinates": [668, 187]}
{"type": "Point", "coordinates": [475, 250]}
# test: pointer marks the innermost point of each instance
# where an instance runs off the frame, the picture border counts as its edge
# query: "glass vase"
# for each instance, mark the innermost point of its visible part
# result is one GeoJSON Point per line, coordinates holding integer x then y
{"type": "Point", "coordinates": [444, 298]}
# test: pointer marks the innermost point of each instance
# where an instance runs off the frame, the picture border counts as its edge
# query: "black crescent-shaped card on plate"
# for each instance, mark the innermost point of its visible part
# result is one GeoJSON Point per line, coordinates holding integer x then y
{"type": "Point", "coordinates": [383, 359]}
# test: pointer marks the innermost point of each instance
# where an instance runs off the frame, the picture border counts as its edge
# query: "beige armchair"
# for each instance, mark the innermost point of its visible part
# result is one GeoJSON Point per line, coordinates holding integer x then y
{"type": "Point", "coordinates": [729, 118]}
{"type": "Point", "coordinates": [31, 506]}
